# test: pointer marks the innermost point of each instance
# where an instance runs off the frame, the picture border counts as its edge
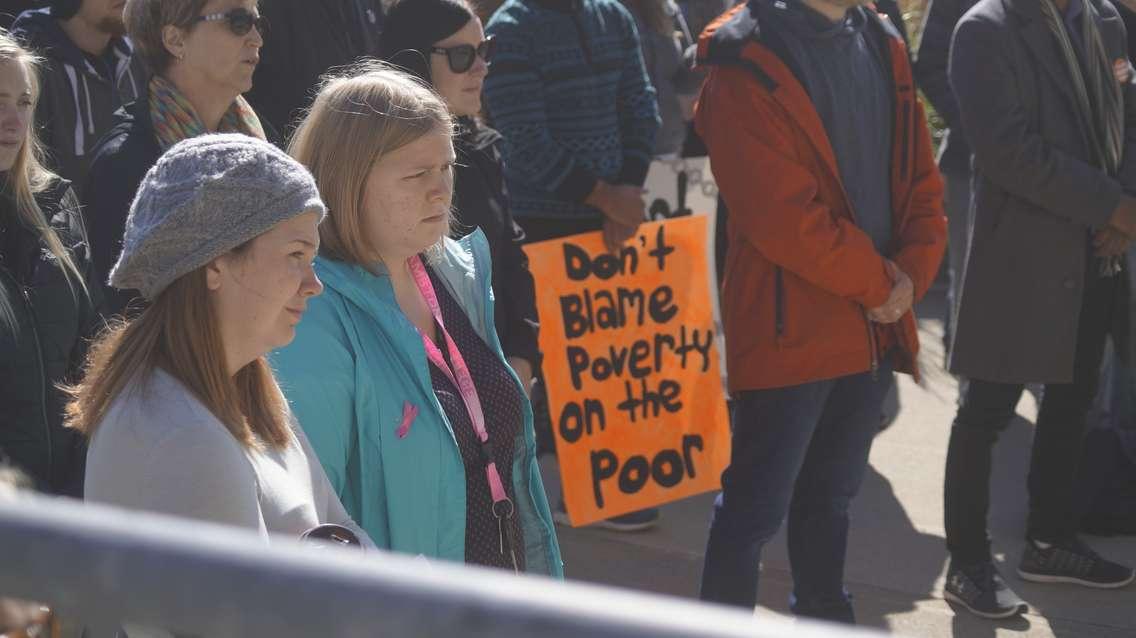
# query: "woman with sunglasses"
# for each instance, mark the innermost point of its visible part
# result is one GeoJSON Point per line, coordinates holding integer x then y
{"type": "Point", "coordinates": [397, 374]}
{"type": "Point", "coordinates": [442, 42]}
{"type": "Point", "coordinates": [202, 54]}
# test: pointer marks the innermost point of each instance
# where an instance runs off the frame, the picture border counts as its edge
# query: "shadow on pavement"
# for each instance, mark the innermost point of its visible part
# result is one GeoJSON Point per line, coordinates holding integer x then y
{"type": "Point", "coordinates": [883, 535]}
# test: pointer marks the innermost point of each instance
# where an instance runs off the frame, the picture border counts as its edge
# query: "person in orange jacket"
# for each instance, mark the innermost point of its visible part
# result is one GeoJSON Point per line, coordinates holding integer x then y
{"type": "Point", "coordinates": [836, 227]}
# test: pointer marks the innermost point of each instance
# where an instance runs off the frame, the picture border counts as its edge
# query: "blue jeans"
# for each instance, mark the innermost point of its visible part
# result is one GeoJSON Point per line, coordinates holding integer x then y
{"type": "Point", "coordinates": [801, 451]}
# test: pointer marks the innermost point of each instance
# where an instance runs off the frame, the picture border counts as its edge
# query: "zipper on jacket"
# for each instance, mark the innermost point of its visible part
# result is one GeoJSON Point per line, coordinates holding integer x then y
{"type": "Point", "coordinates": [583, 39]}
{"type": "Point", "coordinates": [874, 361]}
{"type": "Point", "coordinates": [875, 365]}
{"type": "Point", "coordinates": [905, 152]}
{"type": "Point", "coordinates": [43, 391]}
{"type": "Point", "coordinates": [779, 302]}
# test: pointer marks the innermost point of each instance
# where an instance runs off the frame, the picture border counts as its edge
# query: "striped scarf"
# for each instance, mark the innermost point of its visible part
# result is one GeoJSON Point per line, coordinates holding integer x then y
{"type": "Point", "coordinates": [175, 120]}
{"type": "Point", "coordinates": [1094, 85]}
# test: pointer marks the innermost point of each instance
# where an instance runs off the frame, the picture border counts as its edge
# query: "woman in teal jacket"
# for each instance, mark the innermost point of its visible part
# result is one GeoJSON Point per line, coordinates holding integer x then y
{"type": "Point", "coordinates": [396, 373]}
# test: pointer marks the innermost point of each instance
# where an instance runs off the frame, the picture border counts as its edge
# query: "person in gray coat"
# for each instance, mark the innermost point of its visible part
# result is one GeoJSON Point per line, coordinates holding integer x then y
{"type": "Point", "coordinates": [1046, 96]}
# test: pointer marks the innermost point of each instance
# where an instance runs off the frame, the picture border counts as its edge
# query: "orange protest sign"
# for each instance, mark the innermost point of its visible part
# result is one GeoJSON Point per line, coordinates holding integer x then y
{"type": "Point", "coordinates": [631, 367]}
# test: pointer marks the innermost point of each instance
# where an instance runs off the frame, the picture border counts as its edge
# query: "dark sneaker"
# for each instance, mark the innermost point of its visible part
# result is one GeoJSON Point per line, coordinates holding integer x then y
{"type": "Point", "coordinates": [633, 522]}
{"type": "Point", "coordinates": [982, 591]}
{"type": "Point", "coordinates": [1072, 562]}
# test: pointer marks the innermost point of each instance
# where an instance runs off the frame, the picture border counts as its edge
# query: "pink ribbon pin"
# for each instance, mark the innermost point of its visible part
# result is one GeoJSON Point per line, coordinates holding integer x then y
{"type": "Point", "coordinates": [409, 413]}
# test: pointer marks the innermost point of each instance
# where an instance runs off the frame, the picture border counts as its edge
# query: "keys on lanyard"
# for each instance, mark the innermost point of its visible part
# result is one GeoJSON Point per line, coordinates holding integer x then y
{"type": "Point", "coordinates": [503, 512]}
{"type": "Point", "coordinates": [459, 374]}
{"type": "Point", "coordinates": [1109, 266]}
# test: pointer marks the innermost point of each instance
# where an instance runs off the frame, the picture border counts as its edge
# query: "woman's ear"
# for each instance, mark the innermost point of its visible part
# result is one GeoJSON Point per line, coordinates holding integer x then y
{"type": "Point", "coordinates": [173, 38]}
{"type": "Point", "coordinates": [213, 273]}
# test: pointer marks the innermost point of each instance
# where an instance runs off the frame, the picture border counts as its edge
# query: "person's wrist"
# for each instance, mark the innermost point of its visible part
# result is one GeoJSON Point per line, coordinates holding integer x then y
{"type": "Point", "coordinates": [599, 196]}
{"type": "Point", "coordinates": [1123, 218]}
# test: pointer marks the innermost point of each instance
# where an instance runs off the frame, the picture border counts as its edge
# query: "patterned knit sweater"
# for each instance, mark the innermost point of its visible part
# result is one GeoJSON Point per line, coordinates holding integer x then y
{"type": "Point", "coordinates": [569, 92]}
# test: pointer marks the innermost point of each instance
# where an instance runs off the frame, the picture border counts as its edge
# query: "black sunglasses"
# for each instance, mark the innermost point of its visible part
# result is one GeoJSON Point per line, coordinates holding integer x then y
{"type": "Point", "coordinates": [240, 20]}
{"type": "Point", "coordinates": [461, 57]}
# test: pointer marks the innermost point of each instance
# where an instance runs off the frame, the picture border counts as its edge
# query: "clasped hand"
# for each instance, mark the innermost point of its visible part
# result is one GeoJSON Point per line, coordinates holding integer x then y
{"type": "Point", "coordinates": [900, 300]}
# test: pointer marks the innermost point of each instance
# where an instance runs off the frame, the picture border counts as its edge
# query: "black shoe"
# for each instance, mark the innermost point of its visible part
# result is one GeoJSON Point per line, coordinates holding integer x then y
{"type": "Point", "coordinates": [981, 590]}
{"type": "Point", "coordinates": [633, 522]}
{"type": "Point", "coordinates": [1072, 562]}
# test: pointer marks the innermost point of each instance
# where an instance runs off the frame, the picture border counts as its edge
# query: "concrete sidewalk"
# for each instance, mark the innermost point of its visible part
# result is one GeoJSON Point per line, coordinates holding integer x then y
{"type": "Point", "coordinates": [896, 558]}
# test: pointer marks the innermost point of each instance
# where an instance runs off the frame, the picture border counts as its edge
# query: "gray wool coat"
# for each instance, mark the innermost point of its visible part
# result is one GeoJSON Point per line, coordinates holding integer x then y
{"type": "Point", "coordinates": [1037, 196]}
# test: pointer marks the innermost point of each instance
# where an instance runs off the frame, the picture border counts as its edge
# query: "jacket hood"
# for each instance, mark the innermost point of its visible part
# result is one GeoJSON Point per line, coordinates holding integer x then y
{"type": "Point", "coordinates": [563, 6]}
{"type": "Point", "coordinates": [458, 265]}
{"type": "Point", "coordinates": [40, 30]}
{"type": "Point", "coordinates": [722, 42]}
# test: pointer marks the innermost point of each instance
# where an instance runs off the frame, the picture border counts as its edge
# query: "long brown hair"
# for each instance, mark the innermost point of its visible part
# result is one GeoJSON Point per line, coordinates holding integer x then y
{"type": "Point", "coordinates": [27, 177]}
{"type": "Point", "coordinates": [179, 333]}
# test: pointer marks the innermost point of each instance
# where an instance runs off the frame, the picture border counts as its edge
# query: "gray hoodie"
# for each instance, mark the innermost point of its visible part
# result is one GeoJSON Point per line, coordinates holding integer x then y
{"type": "Point", "coordinates": [77, 104]}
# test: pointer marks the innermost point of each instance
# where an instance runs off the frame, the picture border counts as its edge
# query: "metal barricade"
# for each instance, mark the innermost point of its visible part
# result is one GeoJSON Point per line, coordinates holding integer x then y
{"type": "Point", "coordinates": [105, 566]}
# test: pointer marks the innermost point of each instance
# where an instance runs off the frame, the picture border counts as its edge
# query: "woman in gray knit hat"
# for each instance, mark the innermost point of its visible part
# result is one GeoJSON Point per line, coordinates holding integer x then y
{"type": "Point", "coordinates": [185, 415]}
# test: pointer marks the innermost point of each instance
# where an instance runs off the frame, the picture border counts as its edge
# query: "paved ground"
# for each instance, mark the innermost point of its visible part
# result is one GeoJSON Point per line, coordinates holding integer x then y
{"type": "Point", "coordinates": [896, 560]}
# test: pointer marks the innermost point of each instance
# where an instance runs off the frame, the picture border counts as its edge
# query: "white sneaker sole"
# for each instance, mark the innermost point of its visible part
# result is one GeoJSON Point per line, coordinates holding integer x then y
{"type": "Point", "coordinates": [612, 526]}
{"type": "Point", "coordinates": [1017, 611]}
{"type": "Point", "coordinates": [1042, 578]}
{"type": "Point", "coordinates": [561, 518]}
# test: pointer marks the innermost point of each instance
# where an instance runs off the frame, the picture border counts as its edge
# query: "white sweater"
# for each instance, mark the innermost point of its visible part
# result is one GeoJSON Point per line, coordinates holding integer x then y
{"type": "Point", "coordinates": [159, 449]}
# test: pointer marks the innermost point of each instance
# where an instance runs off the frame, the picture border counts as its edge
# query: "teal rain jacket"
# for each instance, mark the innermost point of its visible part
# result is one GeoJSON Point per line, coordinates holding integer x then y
{"type": "Point", "coordinates": [355, 364]}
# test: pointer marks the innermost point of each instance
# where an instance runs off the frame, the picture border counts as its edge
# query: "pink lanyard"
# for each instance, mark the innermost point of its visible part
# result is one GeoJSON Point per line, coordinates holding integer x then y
{"type": "Point", "coordinates": [460, 376]}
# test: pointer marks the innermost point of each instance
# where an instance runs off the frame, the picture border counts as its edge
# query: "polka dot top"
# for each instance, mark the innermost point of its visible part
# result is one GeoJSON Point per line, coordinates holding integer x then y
{"type": "Point", "coordinates": [502, 404]}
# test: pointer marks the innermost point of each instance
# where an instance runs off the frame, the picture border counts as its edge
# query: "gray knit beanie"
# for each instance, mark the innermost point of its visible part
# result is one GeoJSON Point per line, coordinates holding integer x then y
{"type": "Point", "coordinates": [206, 196]}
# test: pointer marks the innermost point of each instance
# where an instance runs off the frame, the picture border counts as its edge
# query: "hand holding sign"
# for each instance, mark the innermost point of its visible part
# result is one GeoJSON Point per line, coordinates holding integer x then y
{"type": "Point", "coordinates": [622, 204]}
{"type": "Point", "coordinates": [616, 234]}
{"type": "Point", "coordinates": [632, 373]}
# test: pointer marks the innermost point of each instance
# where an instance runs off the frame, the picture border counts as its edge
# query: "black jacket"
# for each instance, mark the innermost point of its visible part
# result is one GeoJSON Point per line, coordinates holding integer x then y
{"type": "Point", "coordinates": [931, 76]}
{"type": "Point", "coordinates": [10, 9]}
{"type": "Point", "coordinates": [306, 39]}
{"type": "Point", "coordinates": [1129, 18]}
{"type": "Point", "coordinates": [121, 160]}
{"type": "Point", "coordinates": [77, 103]}
{"type": "Point", "coordinates": [482, 202]}
{"type": "Point", "coordinates": [48, 343]}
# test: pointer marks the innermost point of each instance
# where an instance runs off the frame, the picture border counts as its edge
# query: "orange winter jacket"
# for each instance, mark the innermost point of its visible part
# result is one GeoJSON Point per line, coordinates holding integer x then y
{"type": "Point", "coordinates": [800, 274]}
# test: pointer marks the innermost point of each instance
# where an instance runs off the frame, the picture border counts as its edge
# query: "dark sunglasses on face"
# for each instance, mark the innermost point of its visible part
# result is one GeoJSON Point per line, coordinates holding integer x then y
{"type": "Point", "coordinates": [461, 57]}
{"type": "Point", "coordinates": [240, 20]}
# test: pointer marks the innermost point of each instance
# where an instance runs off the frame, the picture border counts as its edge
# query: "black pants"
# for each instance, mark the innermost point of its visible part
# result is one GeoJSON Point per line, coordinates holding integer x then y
{"type": "Point", "coordinates": [987, 410]}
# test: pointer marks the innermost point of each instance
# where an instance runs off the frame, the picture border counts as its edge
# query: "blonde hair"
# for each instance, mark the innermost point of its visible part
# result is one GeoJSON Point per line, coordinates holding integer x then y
{"type": "Point", "coordinates": [180, 334]}
{"type": "Point", "coordinates": [27, 178]}
{"type": "Point", "coordinates": [145, 20]}
{"type": "Point", "coordinates": [358, 116]}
